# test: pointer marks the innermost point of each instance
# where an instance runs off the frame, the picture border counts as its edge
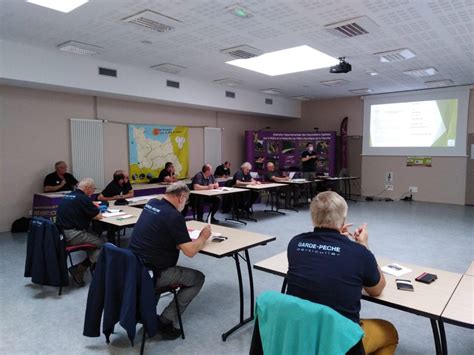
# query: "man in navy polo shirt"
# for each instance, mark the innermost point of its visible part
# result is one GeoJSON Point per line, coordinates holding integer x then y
{"type": "Point", "coordinates": [59, 179]}
{"type": "Point", "coordinates": [327, 267]}
{"type": "Point", "coordinates": [243, 178]}
{"type": "Point", "coordinates": [204, 180]}
{"type": "Point", "coordinates": [118, 188]}
{"type": "Point", "coordinates": [74, 215]}
{"type": "Point", "coordinates": [159, 234]}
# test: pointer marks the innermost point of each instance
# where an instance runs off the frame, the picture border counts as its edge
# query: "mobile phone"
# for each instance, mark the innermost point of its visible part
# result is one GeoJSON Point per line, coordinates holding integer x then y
{"type": "Point", "coordinates": [219, 239]}
{"type": "Point", "coordinates": [426, 278]}
{"type": "Point", "coordinates": [404, 285]}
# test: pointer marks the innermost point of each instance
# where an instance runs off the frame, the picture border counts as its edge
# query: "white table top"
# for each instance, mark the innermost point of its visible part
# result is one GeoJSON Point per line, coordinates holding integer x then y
{"type": "Point", "coordinates": [470, 271]}
{"type": "Point", "coordinates": [263, 186]}
{"type": "Point", "coordinates": [119, 222]}
{"type": "Point", "coordinates": [217, 192]}
{"type": "Point", "coordinates": [137, 201]}
{"type": "Point", "coordinates": [237, 239]}
{"type": "Point", "coordinates": [426, 299]}
{"type": "Point", "coordinates": [460, 308]}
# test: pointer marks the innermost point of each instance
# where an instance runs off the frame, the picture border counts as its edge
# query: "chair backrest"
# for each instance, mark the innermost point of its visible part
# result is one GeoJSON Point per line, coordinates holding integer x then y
{"type": "Point", "coordinates": [291, 325]}
{"type": "Point", "coordinates": [123, 290]}
{"type": "Point", "coordinates": [45, 256]}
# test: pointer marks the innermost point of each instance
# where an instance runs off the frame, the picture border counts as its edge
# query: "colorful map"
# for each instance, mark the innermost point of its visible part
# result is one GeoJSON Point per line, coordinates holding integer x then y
{"type": "Point", "coordinates": [151, 146]}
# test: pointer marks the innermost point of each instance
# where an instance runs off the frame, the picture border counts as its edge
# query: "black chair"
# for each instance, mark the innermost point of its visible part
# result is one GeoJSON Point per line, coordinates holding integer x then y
{"type": "Point", "coordinates": [168, 289]}
{"type": "Point", "coordinates": [46, 261]}
{"type": "Point", "coordinates": [121, 291]}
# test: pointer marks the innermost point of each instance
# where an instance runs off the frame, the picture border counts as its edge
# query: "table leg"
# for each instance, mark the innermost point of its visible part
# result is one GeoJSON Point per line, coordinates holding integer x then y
{"type": "Point", "coordinates": [249, 270]}
{"type": "Point", "coordinates": [234, 217]}
{"type": "Point", "coordinates": [442, 333]}
{"type": "Point", "coordinates": [242, 321]}
{"type": "Point", "coordinates": [436, 336]}
{"type": "Point", "coordinates": [273, 204]}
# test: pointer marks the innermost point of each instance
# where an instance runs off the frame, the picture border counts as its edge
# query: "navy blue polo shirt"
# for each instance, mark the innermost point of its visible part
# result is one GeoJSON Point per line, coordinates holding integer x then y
{"type": "Point", "coordinates": [114, 189]}
{"type": "Point", "coordinates": [158, 231]}
{"type": "Point", "coordinates": [240, 176]}
{"type": "Point", "coordinates": [53, 179]}
{"type": "Point", "coordinates": [76, 211]}
{"type": "Point", "coordinates": [163, 173]}
{"type": "Point", "coordinates": [269, 175]}
{"type": "Point", "coordinates": [328, 268]}
{"type": "Point", "coordinates": [200, 179]}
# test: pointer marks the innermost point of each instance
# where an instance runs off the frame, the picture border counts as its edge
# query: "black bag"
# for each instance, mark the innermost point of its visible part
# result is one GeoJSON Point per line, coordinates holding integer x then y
{"type": "Point", "coordinates": [21, 225]}
{"type": "Point", "coordinates": [121, 202]}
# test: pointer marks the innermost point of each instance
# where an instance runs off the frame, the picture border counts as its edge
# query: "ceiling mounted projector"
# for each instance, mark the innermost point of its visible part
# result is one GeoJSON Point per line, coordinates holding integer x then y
{"type": "Point", "coordinates": [342, 67]}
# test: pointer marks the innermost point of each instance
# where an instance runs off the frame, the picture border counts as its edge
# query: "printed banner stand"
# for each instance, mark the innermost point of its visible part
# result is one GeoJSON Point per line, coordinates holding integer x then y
{"type": "Point", "coordinates": [285, 148]}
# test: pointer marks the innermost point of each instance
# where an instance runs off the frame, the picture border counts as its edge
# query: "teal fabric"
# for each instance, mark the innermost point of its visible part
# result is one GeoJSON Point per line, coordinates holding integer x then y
{"type": "Point", "coordinates": [291, 325]}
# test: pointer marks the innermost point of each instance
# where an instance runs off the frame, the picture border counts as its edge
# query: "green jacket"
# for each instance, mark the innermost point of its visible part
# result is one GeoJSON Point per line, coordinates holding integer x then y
{"type": "Point", "coordinates": [289, 325]}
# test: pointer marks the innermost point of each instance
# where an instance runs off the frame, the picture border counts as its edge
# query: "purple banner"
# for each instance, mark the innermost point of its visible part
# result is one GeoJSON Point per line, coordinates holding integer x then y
{"type": "Point", "coordinates": [344, 143]}
{"type": "Point", "coordinates": [285, 148]}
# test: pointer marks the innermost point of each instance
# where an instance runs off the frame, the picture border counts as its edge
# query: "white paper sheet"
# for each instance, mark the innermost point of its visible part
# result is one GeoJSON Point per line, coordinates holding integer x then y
{"type": "Point", "coordinates": [396, 269]}
{"type": "Point", "coordinates": [112, 214]}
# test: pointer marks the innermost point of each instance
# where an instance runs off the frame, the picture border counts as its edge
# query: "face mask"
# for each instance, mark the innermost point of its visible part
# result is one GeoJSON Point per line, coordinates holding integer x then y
{"type": "Point", "coordinates": [310, 149]}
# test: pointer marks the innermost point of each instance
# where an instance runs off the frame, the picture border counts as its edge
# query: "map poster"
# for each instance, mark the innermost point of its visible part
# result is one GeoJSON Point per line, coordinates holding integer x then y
{"type": "Point", "coordinates": [285, 148]}
{"type": "Point", "coordinates": [151, 146]}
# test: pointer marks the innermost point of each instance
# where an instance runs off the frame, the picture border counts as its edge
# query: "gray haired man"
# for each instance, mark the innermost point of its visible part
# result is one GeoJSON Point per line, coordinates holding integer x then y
{"type": "Point", "coordinates": [331, 266]}
{"type": "Point", "coordinates": [74, 215]}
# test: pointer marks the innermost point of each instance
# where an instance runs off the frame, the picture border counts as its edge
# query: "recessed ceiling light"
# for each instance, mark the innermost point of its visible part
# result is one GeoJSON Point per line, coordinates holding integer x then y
{"type": "Point", "coordinates": [301, 98]}
{"type": "Point", "coordinates": [79, 48]}
{"type": "Point", "coordinates": [59, 5]}
{"type": "Point", "coordinates": [439, 83]}
{"type": "Point", "coordinates": [361, 91]}
{"type": "Point", "coordinates": [239, 11]}
{"type": "Point", "coordinates": [168, 68]}
{"type": "Point", "coordinates": [271, 91]}
{"type": "Point", "coordinates": [420, 73]}
{"type": "Point", "coordinates": [228, 82]}
{"type": "Point", "coordinates": [286, 61]}
{"type": "Point", "coordinates": [395, 55]}
{"type": "Point", "coordinates": [336, 82]}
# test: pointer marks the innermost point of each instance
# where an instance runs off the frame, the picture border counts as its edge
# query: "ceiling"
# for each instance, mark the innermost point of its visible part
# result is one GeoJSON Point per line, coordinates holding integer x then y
{"type": "Point", "coordinates": [439, 32]}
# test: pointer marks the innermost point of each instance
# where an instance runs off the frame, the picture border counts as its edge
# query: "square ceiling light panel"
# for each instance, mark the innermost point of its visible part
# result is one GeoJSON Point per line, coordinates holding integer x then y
{"type": "Point", "coordinates": [59, 5]}
{"type": "Point", "coordinates": [286, 61]}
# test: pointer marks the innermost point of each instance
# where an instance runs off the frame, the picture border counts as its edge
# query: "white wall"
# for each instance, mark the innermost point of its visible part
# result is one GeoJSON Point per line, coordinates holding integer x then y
{"type": "Point", "coordinates": [21, 63]}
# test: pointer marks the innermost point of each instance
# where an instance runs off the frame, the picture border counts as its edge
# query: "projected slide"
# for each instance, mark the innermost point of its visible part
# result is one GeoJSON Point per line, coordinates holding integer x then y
{"type": "Point", "coordinates": [429, 123]}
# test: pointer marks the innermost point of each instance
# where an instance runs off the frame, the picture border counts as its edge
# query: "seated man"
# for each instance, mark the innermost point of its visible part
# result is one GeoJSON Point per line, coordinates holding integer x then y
{"type": "Point", "coordinates": [223, 170]}
{"type": "Point", "coordinates": [273, 176]}
{"type": "Point", "coordinates": [325, 266]}
{"type": "Point", "coordinates": [118, 188]}
{"type": "Point", "coordinates": [159, 234]}
{"type": "Point", "coordinates": [60, 179]}
{"type": "Point", "coordinates": [167, 174]}
{"type": "Point", "coordinates": [243, 178]}
{"type": "Point", "coordinates": [74, 215]}
{"type": "Point", "coordinates": [204, 180]}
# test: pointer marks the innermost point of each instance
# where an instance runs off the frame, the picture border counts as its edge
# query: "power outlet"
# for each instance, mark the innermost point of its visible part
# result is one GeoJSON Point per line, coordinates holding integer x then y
{"type": "Point", "coordinates": [413, 189]}
{"type": "Point", "coordinates": [389, 187]}
{"type": "Point", "coordinates": [389, 176]}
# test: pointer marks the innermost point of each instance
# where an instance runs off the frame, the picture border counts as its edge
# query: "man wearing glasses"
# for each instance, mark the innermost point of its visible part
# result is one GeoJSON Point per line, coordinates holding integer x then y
{"type": "Point", "coordinates": [159, 234]}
